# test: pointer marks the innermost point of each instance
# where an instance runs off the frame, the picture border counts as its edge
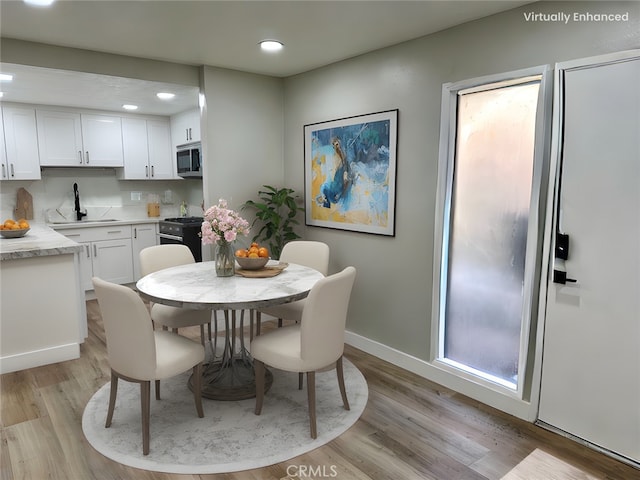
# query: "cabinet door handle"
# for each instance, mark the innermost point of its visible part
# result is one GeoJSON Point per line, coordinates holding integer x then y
{"type": "Point", "coordinates": [153, 174]}
{"type": "Point", "coordinates": [186, 132]}
{"type": "Point", "coordinates": [88, 251]}
{"type": "Point", "coordinates": [80, 155]}
{"type": "Point", "coordinates": [190, 136]}
{"type": "Point", "coordinates": [146, 171]}
{"type": "Point", "coordinates": [13, 173]}
{"type": "Point", "coordinates": [87, 154]}
{"type": "Point", "coordinates": [135, 232]}
{"type": "Point", "coordinates": [4, 175]}
{"type": "Point", "coordinates": [95, 250]}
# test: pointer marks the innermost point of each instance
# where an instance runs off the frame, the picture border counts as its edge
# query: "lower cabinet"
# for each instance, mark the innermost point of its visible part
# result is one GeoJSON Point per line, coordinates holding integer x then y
{"type": "Point", "coordinates": [107, 253]}
{"type": "Point", "coordinates": [144, 235]}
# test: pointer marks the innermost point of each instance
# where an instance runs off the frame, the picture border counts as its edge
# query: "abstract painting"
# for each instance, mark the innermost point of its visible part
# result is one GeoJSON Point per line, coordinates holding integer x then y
{"type": "Point", "coordinates": [350, 173]}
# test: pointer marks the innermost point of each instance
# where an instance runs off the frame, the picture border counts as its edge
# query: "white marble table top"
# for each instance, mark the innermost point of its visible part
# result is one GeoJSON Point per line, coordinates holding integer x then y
{"type": "Point", "coordinates": [196, 286]}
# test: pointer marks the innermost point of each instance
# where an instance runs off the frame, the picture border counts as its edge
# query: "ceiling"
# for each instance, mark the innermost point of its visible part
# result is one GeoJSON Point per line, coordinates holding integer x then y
{"type": "Point", "coordinates": [217, 33]}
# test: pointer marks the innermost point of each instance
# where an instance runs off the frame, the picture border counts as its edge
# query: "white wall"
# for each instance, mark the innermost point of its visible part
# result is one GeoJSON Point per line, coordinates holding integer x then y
{"type": "Point", "coordinates": [390, 311]}
{"type": "Point", "coordinates": [242, 136]}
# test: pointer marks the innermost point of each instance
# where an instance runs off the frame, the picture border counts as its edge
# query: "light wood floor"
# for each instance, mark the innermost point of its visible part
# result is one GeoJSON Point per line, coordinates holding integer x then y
{"type": "Point", "coordinates": [410, 429]}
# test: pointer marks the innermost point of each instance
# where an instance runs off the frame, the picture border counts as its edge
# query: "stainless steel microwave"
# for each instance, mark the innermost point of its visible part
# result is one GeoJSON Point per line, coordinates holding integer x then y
{"type": "Point", "coordinates": [189, 160]}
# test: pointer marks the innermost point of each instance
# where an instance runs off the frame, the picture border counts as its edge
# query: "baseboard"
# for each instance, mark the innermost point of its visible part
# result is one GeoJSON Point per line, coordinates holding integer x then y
{"type": "Point", "coordinates": [466, 386]}
{"type": "Point", "coordinates": [37, 358]}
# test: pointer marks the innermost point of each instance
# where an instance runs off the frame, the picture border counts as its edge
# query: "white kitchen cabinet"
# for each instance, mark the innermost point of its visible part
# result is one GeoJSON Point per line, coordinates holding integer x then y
{"type": "Point", "coordinates": [21, 144]}
{"type": "Point", "coordinates": [107, 253]}
{"type": "Point", "coordinates": [144, 235]}
{"type": "Point", "coordinates": [71, 139]}
{"type": "Point", "coordinates": [60, 138]}
{"type": "Point", "coordinates": [147, 150]}
{"type": "Point", "coordinates": [3, 151]}
{"type": "Point", "coordinates": [185, 127]}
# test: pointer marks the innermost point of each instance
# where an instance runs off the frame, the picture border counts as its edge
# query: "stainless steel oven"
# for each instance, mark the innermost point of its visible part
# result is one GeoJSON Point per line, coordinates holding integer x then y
{"type": "Point", "coordinates": [182, 231]}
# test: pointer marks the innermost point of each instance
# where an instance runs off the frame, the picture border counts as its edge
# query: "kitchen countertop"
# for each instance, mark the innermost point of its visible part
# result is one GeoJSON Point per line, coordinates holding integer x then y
{"type": "Point", "coordinates": [40, 241]}
{"type": "Point", "coordinates": [101, 223]}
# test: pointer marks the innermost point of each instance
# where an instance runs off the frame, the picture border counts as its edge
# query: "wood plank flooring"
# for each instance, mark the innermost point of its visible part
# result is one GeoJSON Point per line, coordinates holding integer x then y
{"type": "Point", "coordinates": [410, 429]}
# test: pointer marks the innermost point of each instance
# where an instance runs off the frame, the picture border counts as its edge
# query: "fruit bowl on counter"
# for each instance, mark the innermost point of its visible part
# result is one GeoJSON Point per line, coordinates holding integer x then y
{"type": "Point", "coordinates": [14, 233]}
{"type": "Point", "coordinates": [14, 228]}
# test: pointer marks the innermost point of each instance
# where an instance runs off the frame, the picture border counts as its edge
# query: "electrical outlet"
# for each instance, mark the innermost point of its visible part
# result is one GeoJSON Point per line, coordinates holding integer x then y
{"type": "Point", "coordinates": [136, 196]}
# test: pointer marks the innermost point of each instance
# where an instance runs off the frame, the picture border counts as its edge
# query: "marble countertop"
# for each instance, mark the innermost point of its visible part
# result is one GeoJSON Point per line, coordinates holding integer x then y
{"type": "Point", "coordinates": [196, 286]}
{"type": "Point", "coordinates": [100, 223]}
{"type": "Point", "coordinates": [40, 241]}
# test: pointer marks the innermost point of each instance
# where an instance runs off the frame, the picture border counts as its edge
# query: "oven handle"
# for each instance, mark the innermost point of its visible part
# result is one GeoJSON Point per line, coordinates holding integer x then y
{"type": "Point", "coordinates": [170, 237]}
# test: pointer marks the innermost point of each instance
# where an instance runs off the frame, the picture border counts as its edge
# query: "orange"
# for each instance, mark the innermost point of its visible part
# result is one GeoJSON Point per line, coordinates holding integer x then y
{"type": "Point", "coordinates": [253, 255]}
{"type": "Point", "coordinates": [241, 252]}
{"type": "Point", "coordinates": [9, 222]}
{"type": "Point", "coordinates": [254, 244]}
{"type": "Point", "coordinates": [263, 252]}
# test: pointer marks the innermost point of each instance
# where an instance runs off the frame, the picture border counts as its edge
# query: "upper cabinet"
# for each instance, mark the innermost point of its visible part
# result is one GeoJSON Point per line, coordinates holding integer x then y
{"type": "Point", "coordinates": [70, 139]}
{"type": "Point", "coordinates": [21, 144]}
{"type": "Point", "coordinates": [185, 127]}
{"type": "Point", "coordinates": [147, 150]}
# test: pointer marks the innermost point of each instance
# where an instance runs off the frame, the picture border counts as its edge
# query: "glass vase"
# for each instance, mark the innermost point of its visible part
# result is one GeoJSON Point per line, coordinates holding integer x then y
{"type": "Point", "coordinates": [225, 260]}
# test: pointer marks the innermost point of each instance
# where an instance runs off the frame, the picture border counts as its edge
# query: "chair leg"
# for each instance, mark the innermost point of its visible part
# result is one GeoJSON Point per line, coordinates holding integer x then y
{"type": "Point", "coordinates": [197, 388]}
{"type": "Point", "coordinates": [343, 391]}
{"type": "Point", "coordinates": [300, 380]}
{"type": "Point", "coordinates": [112, 399]}
{"type": "Point", "coordinates": [311, 394]}
{"type": "Point", "coordinates": [157, 389]}
{"type": "Point", "coordinates": [259, 375]}
{"type": "Point", "coordinates": [145, 402]}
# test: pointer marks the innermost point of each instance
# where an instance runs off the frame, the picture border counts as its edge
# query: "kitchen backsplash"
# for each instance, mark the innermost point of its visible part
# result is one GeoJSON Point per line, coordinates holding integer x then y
{"type": "Point", "coordinates": [101, 193]}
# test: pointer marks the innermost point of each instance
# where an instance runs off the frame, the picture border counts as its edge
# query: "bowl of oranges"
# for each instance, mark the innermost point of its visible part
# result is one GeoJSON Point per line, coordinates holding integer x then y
{"type": "Point", "coordinates": [253, 258]}
{"type": "Point", "coordinates": [14, 228]}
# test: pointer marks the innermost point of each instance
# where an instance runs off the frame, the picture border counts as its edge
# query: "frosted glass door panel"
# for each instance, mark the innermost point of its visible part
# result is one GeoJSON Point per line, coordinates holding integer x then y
{"type": "Point", "coordinates": [488, 230]}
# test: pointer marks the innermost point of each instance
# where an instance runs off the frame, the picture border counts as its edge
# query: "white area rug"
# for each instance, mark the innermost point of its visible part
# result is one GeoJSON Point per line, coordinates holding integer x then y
{"type": "Point", "coordinates": [230, 437]}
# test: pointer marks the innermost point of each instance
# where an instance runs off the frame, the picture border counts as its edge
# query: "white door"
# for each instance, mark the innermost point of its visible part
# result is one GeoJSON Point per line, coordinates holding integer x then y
{"type": "Point", "coordinates": [21, 143]}
{"type": "Point", "coordinates": [161, 155]}
{"type": "Point", "coordinates": [591, 358]}
{"type": "Point", "coordinates": [135, 149]}
{"type": "Point", "coordinates": [112, 260]}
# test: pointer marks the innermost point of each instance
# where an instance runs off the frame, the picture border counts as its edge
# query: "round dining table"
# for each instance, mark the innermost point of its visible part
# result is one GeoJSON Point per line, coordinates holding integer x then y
{"type": "Point", "coordinates": [228, 373]}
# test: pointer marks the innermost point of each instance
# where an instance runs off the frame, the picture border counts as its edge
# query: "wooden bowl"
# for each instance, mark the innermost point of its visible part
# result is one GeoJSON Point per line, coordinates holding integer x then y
{"type": "Point", "coordinates": [252, 263]}
{"type": "Point", "coordinates": [14, 233]}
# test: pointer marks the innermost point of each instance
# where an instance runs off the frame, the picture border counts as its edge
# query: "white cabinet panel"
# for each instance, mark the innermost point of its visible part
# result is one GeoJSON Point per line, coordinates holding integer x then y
{"type": "Point", "coordinates": [107, 253]}
{"type": "Point", "coordinates": [147, 150]}
{"type": "Point", "coordinates": [112, 260]}
{"type": "Point", "coordinates": [60, 138]}
{"type": "Point", "coordinates": [144, 235]}
{"type": "Point", "coordinates": [71, 139]}
{"type": "Point", "coordinates": [102, 140]}
{"type": "Point", "coordinates": [21, 143]}
{"type": "Point", "coordinates": [185, 127]}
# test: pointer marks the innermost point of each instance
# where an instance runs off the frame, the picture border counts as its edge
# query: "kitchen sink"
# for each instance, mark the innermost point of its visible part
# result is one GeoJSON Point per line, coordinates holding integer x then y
{"type": "Point", "coordinates": [76, 222]}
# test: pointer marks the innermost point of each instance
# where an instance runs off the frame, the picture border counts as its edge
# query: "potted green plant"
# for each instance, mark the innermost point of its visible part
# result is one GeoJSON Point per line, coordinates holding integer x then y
{"type": "Point", "coordinates": [277, 211]}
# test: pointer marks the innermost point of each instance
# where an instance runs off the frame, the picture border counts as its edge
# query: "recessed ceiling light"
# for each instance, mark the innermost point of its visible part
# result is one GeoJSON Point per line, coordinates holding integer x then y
{"type": "Point", "coordinates": [165, 95]}
{"type": "Point", "coordinates": [130, 107]}
{"type": "Point", "coordinates": [5, 77]}
{"type": "Point", "coordinates": [39, 3]}
{"type": "Point", "coordinates": [271, 45]}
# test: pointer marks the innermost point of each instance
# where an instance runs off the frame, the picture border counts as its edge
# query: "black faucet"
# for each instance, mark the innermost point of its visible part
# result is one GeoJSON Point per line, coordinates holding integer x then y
{"type": "Point", "coordinates": [79, 214]}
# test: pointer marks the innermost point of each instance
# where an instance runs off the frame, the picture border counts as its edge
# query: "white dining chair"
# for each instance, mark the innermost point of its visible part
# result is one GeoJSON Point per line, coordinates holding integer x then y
{"type": "Point", "coordinates": [316, 343]}
{"type": "Point", "coordinates": [159, 257]}
{"type": "Point", "coordinates": [309, 253]}
{"type": "Point", "coordinates": [139, 354]}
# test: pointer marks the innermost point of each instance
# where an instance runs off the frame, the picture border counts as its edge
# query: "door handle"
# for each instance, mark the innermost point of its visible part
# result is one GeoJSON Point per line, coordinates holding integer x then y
{"type": "Point", "coordinates": [561, 277]}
